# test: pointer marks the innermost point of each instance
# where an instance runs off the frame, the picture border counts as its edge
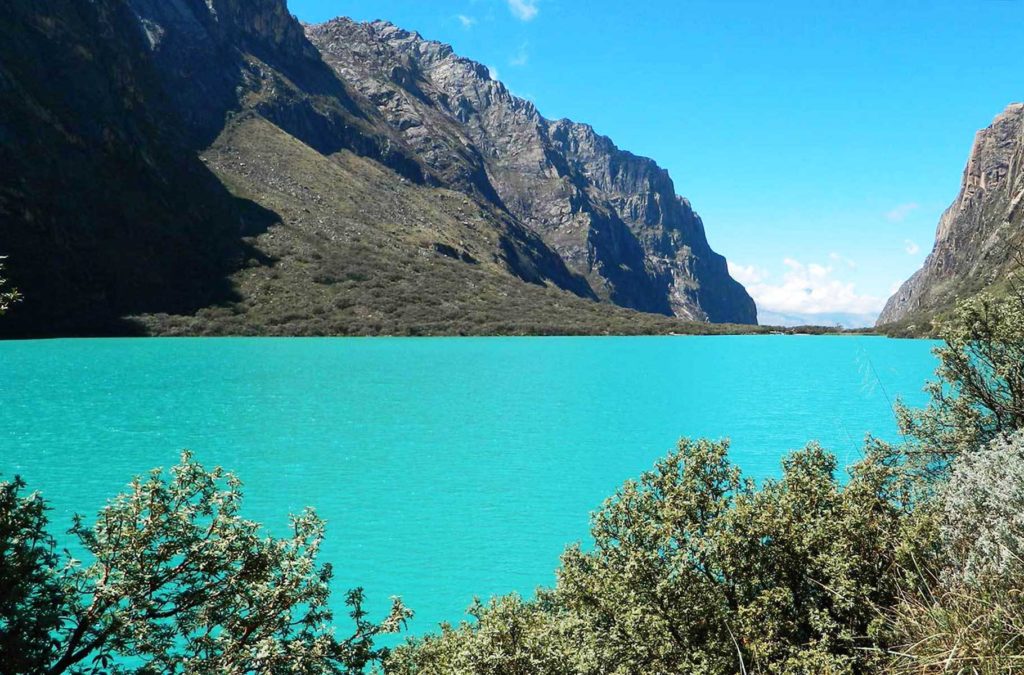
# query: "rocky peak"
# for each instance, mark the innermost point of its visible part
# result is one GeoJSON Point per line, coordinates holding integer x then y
{"type": "Point", "coordinates": [257, 25]}
{"type": "Point", "coordinates": [219, 58]}
{"type": "Point", "coordinates": [979, 233]}
{"type": "Point", "coordinates": [613, 216]}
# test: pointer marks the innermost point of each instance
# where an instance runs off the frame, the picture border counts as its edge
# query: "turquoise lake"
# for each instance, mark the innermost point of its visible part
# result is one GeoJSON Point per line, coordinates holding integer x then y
{"type": "Point", "coordinates": [445, 468]}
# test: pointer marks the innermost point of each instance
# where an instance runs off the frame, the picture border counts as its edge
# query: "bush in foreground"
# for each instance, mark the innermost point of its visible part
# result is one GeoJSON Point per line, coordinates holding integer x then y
{"type": "Point", "coordinates": [969, 617]}
{"type": "Point", "coordinates": [695, 570]}
{"type": "Point", "coordinates": [178, 582]}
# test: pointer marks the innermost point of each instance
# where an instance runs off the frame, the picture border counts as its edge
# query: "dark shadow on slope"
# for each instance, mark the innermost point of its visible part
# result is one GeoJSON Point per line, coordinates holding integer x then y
{"type": "Point", "coordinates": [620, 259]}
{"type": "Point", "coordinates": [527, 256]}
{"type": "Point", "coordinates": [220, 58]}
{"type": "Point", "coordinates": [104, 210]}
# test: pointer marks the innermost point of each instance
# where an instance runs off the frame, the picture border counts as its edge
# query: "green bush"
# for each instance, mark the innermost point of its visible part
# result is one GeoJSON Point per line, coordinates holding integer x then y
{"type": "Point", "coordinates": [967, 616]}
{"type": "Point", "coordinates": [31, 594]}
{"type": "Point", "coordinates": [696, 570]}
{"type": "Point", "coordinates": [178, 582]}
{"type": "Point", "coordinates": [979, 393]}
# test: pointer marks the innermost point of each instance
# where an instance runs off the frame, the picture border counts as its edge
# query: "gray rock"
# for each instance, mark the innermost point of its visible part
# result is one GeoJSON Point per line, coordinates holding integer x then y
{"type": "Point", "coordinates": [612, 216]}
{"type": "Point", "coordinates": [980, 233]}
{"type": "Point", "coordinates": [212, 166]}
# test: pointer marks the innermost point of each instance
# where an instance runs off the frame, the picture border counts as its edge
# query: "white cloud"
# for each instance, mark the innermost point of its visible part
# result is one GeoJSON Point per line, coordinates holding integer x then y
{"type": "Point", "coordinates": [835, 257]}
{"type": "Point", "coordinates": [805, 289]}
{"type": "Point", "coordinates": [521, 57]}
{"type": "Point", "coordinates": [466, 21]}
{"type": "Point", "coordinates": [746, 274]}
{"type": "Point", "coordinates": [495, 75]}
{"type": "Point", "coordinates": [524, 10]}
{"type": "Point", "coordinates": [910, 247]}
{"type": "Point", "coordinates": [899, 213]}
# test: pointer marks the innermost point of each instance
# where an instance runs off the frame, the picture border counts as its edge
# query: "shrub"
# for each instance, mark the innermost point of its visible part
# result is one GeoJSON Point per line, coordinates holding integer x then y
{"type": "Point", "coordinates": [979, 393]}
{"type": "Point", "coordinates": [983, 509]}
{"type": "Point", "coordinates": [31, 595]}
{"type": "Point", "coordinates": [968, 615]}
{"type": "Point", "coordinates": [179, 582]}
{"type": "Point", "coordinates": [696, 570]}
{"type": "Point", "coordinates": [507, 636]}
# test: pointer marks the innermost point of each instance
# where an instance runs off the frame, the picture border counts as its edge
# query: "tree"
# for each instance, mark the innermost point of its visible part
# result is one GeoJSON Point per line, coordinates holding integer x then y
{"type": "Point", "coordinates": [180, 582]}
{"type": "Point", "coordinates": [7, 297]}
{"type": "Point", "coordinates": [507, 636]}
{"type": "Point", "coordinates": [979, 393]}
{"type": "Point", "coordinates": [695, 569]}
{"type": "Point", "coordinates": [31, 594]}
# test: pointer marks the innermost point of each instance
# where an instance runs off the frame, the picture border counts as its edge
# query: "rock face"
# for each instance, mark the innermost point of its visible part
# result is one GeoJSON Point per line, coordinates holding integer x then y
{"type": "Point", "coordinates": [216, 58]}
{"type": "Point", "coordinates": [980, 234]}
{"type": "Point", "coordinates": [210, 166]}
{"type": "Point", "coordinates": [614, 217]}
{"type": "Point", "coordinates": [93, 175]}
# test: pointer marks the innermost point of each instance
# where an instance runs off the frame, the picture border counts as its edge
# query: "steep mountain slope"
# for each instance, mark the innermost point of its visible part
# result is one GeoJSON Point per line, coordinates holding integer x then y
{"type": "Point", "coordinates": [614, 217]}
{"type": "Point", "coordinates": [195, 167]}
{"type": "Point", "coordinates": [980, 234]}
{"type": "Point", "coordinates": [359, 250]}
{"type": "Point", "coordinates": [92, 174]}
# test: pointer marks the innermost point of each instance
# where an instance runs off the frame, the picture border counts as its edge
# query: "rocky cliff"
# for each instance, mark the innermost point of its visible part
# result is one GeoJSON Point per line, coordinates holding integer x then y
{"type": "Point", "coordinates": [105, 209]}
{"type": "Point", "coordinates": [614, 217]}
{"type": "Point", "coordinates": [980, 234]}
{"type": "Point", "coordinates": [204, 166]}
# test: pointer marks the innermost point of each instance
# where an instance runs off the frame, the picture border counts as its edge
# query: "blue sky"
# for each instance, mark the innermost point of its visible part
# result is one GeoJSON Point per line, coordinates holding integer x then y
{"type": "Point", "coordinates": [820, 141]}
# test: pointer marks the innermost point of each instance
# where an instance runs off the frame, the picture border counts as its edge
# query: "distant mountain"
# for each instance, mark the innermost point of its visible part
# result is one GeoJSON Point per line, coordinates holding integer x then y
{"type": "Point", "coordinates": [830, 319]}
{"type": "Point", "coordinates": [214, 167]}
{"type": "Point", "coordinates": [980, 234]}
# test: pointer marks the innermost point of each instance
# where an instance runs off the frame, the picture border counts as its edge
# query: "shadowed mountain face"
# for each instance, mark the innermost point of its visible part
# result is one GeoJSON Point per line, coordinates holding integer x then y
{"type": "Point", "coordinates": [980, 234]}
{"type": "Point", "coordinates": [202, 166]}
{"type": "Point", "coordinates": [614, 217]}
{"type": "Point", "coordinates": [93, 174]}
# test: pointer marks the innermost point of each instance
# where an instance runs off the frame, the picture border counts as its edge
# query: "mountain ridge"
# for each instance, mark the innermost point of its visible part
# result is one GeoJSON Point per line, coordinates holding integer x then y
{"type": "Point", "coordinates": [402, 231]}
{"type": "Point", "coordinates": [613, 215]}
{"type": "Point", "coordinates": [981, 232]}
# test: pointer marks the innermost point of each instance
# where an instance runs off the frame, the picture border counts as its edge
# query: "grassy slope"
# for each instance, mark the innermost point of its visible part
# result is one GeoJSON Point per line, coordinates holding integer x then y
{"type": "Point", "coordinates": [356, 253]}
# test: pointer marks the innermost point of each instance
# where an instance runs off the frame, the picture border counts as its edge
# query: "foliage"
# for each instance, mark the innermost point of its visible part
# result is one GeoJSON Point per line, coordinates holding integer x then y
{"type": "Point", "coordinates": [968, 616]}
{"type": "Point", "coordinates": [964, 613]}
{"type": "Point", "coordinates": [696, 570]}
{"type": "Point", "coordinates": [31, 595]}
{"type": "Point", "coordinates": [983, 508]}
{"type": "Point", "coordinates": [507, 636]}
{"type": "Point", "coordinates": [7, 297]}
{"type": "Point", "coordinates": [979, 394]}
{"type": "Point", "coordinates": [180, 582]}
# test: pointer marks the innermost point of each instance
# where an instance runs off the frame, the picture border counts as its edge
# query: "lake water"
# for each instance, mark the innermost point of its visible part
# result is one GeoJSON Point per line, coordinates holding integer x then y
{"type": "Point", "coordinates": [445, 468]}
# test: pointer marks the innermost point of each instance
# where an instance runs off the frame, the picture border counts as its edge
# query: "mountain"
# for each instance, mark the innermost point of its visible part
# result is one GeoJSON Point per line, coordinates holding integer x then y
{"type": "Point", "coordinates": [92, 176]}
{"type": "Point", "coordinates": [613, 217]}
{"type": "Point", "coordinates": [215, 167]}
{"type": "Point", "coordinates": [980, 235]}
